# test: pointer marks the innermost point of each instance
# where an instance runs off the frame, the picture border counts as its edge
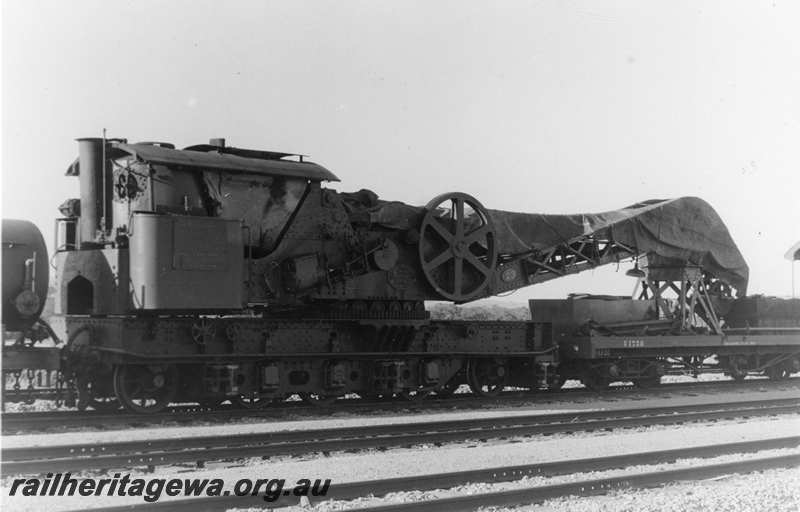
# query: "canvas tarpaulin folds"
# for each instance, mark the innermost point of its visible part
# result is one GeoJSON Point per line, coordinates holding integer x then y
{"type": "Point", "coordinates": [686, 230]}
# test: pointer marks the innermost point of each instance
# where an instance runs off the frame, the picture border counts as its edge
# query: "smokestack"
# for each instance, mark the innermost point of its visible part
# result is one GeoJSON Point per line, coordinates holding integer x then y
{"type": "Point", "coordinates": [90, 156]}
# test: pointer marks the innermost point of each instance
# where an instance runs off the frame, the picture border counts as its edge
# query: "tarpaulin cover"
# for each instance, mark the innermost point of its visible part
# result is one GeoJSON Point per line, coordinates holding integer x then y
{"type": "Point", "coordinates": [686, 229]}
{"type": "Point", "coordinates": [683, 230]}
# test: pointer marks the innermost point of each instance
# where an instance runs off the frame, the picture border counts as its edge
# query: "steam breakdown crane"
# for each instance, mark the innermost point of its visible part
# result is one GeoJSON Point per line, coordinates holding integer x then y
{"type": "Point", "coordinates": [214, 272]}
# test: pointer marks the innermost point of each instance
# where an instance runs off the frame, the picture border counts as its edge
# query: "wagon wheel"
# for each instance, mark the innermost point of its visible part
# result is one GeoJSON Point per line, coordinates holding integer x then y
{"type": "Point", "coordinates": [554, 385]}
{"type": "Point", "coordinates": [457, 251]}
{"type": "Point", "coordinates": [648, 382]}
{"type": "Point", "coordinates": [417, 394]}
{"type": "Point", "coordinates": [145, 388]}
{"type": "Point", "coordinates": [94, 386]}
{"type": "Point", "coordinates": [448, 388]}
{"type": "Point", "coordinates": [650, 379]}
{"type": "Point", "coordinates": [486, 373]}
{"type": "Point", "coordinates": [594, 381]}
{"type": "Point", "coordinates": [446, 391]}
{"type": "Point", "coordinates": [210, 403]}
{"type": "Point", "coordinates": [738, 375]}
{"type": "Point", "coordinates": [91, 394]}
{"type": "Point", "coordinates": [103, 403]}
{"type": "Point", "coordinates": [251, 401]}
{"type": "Point", "coordinates": [373, 396]}
{"type": "Point", "coordinates": [318, 399]}
{"type": "Point", "coordinates": [737, 368]}
{"type": "Point", "coordinates": [777, 372]}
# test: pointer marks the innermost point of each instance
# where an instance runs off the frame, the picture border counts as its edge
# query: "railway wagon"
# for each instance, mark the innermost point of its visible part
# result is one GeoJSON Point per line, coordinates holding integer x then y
{"type": "Point", "coordinates": [215, 273]}
{"type": "Point", "coordinates": [607, 339]}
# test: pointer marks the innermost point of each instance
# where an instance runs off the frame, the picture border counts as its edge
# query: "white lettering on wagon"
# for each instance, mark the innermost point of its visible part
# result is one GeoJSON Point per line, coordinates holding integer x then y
{"type": "Point", "coordinates": [633, 343]}
{"type": "Point", "coordinates": [737, 341]}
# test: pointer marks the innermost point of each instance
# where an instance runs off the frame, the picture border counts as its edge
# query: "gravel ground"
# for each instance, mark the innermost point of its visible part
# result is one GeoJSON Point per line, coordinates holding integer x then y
{"type": "Point", "coordinates": [344, 467]}
{"type": "Point", "coordinates": [768, 491]}
{"type": "Point", "coordinates": [622, 498]}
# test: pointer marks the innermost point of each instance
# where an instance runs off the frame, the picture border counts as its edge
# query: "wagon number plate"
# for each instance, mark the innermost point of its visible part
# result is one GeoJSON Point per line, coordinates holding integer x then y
{"type": "Point", "coordinates": [632, 343]}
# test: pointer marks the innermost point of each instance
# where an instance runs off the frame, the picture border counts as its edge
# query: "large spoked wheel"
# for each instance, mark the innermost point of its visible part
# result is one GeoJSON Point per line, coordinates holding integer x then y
{"type": "Point", "coordinates": [457, 248]}
{"type": "Point", "coordinates": [145, 388]}
{"type": "Point", "coordinates": [486, 377]}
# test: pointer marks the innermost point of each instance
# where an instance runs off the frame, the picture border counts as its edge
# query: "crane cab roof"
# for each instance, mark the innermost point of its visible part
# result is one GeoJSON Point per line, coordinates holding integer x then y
{"type": "Point", "coordinates": [209, 157]}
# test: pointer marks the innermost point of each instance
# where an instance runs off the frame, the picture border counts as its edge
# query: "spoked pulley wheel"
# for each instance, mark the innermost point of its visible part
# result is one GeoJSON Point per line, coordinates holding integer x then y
{"type": "Point", "coordinates": [486, 377]}
{"type": "Point", "coordinates": [145, 388]}
{"type": "Point", "coordinates": [457, 247]}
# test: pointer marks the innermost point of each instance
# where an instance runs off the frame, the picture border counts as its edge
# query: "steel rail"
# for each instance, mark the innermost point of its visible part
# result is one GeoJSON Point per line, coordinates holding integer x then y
{"type": "Point", "coordinates": [589, 487]}
{"type": "Point", "coordinates": [378, 488]}
{"type": "Point", "coordinates": [341, 433]}
{"type": "Point", "coordinates": [151, 453]}
{"type": "Point", "coordinates": [22, 423]}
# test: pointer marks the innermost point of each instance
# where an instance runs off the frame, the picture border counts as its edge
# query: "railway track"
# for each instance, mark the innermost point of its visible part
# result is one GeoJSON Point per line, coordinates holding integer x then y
{"type": "Point", "coordinates": [525, 495]}
{"type": "Point", "coordinates": [199, 450]}
{"type": "Point", "coordinates": [46, 421]}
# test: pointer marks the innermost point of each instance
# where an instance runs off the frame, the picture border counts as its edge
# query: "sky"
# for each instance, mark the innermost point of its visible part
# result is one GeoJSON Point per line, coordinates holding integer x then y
{"type": "Point", "coordinates": [547, 107]}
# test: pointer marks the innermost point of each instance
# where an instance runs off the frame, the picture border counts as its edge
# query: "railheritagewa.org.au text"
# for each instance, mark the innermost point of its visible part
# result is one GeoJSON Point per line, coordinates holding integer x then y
{"type": "Point", "coordinates": [152, 489]}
